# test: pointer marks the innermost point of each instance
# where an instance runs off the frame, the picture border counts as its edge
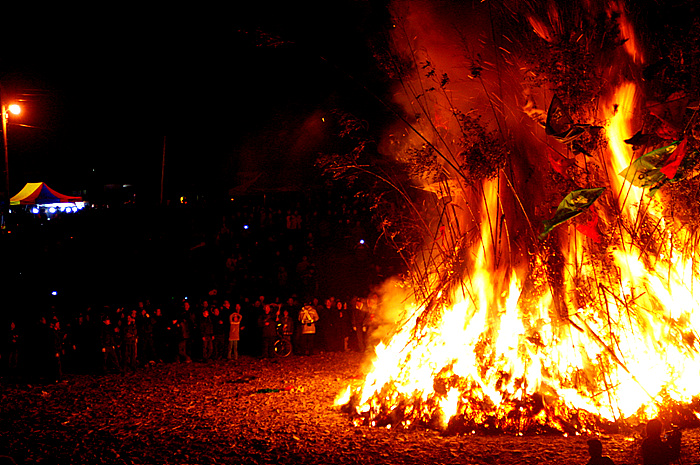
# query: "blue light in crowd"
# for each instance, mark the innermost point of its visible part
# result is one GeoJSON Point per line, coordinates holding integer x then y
{"type": "Point", "coordinates": [362, 241]}
{"type": "Point", "coordinates": [35, 210]}
{"type": "Point", "coordinates": [245, 226]}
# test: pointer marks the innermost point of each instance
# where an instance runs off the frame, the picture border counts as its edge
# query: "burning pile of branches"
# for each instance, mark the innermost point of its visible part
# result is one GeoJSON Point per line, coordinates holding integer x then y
{"type": "Point", "coordinates": [554, 286]}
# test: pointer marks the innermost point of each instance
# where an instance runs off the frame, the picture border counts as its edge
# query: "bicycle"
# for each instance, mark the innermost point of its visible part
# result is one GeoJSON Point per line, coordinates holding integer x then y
{"type": "Point", "coordinates": [283, 346]}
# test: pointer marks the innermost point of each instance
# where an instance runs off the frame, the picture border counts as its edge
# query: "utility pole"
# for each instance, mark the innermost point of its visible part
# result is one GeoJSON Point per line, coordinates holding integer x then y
{"type": "Point", "coordinates": [162, 171]}
{"type": "Point", "coordinates": [4, 144]}
{"type": "Point", "coordinates": [5, 109]}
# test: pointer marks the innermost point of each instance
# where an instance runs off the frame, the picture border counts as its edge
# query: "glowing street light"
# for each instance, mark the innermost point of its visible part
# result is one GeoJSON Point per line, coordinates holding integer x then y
{"type": "Point", "coordinates": [4, 113]}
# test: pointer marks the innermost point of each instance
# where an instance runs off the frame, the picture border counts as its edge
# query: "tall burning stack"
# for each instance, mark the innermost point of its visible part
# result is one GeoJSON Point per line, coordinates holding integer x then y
{"type": "Point", "coordinates": [555, 287]}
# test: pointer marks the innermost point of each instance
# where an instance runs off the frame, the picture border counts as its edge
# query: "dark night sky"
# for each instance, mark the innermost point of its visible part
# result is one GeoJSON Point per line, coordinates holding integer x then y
{"type": "Point", "coordinates": [101, 89]}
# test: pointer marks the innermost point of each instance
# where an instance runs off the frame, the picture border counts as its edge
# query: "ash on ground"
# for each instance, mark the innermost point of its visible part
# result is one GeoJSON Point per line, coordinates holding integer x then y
{"type": "Point", "coordinates": [251, 411]}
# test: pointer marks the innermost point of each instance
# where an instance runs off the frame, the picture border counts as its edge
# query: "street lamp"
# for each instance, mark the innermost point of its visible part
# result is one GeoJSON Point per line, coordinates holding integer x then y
{"type": "Point", "coordinates": [4, 113]}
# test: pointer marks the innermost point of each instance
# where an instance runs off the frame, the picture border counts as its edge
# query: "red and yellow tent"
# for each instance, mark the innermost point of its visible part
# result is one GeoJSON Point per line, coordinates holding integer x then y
{"type": "Point", "coordinates": [38, 193]}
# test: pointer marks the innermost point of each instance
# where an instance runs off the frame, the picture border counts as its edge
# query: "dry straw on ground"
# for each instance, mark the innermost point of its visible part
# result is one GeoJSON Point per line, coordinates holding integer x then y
{"type": "Point", "coordinates": [248, 412]}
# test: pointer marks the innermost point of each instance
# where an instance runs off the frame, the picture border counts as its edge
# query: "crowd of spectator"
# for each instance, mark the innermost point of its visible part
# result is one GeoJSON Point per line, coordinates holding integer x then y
{"type": "Point", "coordinates": [123, 339]}
{"type": "Point", "coordinates": [257, 268]}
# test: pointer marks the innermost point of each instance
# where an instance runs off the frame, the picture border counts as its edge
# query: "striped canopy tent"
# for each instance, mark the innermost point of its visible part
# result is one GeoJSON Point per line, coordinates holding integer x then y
{"type": "Point", "coordinates": [38, 193]}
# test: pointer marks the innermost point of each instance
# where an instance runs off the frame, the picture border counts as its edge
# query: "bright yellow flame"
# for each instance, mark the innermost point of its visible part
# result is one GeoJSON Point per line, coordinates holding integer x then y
{"type": "Point", "coordinates": [619, 128]}
{"type": "Point", "coordinates": [631, 343]}
{"type": "Point", "coordinates": [344, 397]}
{"type": "Point", "coordinates": [616, 339]}
{"type": "Point", "coordinates": [14, 109]}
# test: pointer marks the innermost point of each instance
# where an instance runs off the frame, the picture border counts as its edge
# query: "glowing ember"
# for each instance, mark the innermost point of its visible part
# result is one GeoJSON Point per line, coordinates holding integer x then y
{"type": "Point", "coordinates": [568, 336]}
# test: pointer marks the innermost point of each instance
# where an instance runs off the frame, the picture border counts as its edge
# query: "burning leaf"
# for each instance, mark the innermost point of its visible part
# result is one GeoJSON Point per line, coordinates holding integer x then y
{"type": "Point", "coordinates": [573, 204]}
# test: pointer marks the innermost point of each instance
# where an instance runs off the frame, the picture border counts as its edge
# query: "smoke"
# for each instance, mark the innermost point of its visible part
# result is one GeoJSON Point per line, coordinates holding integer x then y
{"type": "Point", "coordinates": [391, 298]}
{"type": "Point", "coordinates": [470, 85]}
{"type": "Point", "coordinates": [438, 41]}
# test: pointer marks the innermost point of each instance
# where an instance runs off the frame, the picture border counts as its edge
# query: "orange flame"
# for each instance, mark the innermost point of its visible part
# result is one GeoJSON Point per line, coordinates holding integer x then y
{"type": "Point", "coordinates": [617, 341]}
{"type": "Point", "coordinates": [621, 355]}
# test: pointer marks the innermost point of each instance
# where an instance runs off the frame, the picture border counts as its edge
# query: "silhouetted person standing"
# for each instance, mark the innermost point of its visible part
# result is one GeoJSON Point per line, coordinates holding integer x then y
{"type": "Point", "coordinates": [129, 344]}
{"type": "Point", "coordinates": [220, 332]}
{"type": "Point", "coordinates": [357, 319]}
{"type": "Point", "coordinates": [595, 450]}
{"type": "Point", "coordinates": [10, 351]}
{"type": "Point", "coordinates": [268, 323]}
{"type": "Point", "coordinates": [186, 323]}
{"type": "Point", "coordinates": [658, 451]}
{"type": "Point", "coordinates": [234, 334]}
{"type": "Point", "coordinates": [110, 361]}
{"type": "Point", "coordinates": [308, 317]}
{"type": "Point", "coordinates": [206, 329]}
{"type": "Point", "coordinates": [146, 344]}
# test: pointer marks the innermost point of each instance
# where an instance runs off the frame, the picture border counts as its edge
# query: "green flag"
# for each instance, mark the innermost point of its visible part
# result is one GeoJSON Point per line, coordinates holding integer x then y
{"type": "Point", "coordinates": [573, 204]}
{"type": "Point", "coordinates": [647, 171]}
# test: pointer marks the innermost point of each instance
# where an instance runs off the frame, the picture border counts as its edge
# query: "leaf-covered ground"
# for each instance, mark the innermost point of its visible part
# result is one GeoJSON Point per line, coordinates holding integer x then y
{"type": "Point", "coordinates": [247, 412]}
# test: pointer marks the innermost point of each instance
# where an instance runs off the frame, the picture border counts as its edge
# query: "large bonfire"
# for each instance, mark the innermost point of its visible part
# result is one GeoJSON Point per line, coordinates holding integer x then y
{"type": "Point", "coordinates": [557, 284]}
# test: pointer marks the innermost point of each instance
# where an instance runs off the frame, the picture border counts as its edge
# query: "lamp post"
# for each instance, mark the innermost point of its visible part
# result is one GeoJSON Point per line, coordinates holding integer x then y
{"type": "Point", "coordinates": [4, 109]}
